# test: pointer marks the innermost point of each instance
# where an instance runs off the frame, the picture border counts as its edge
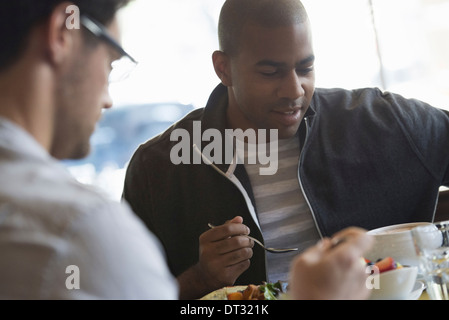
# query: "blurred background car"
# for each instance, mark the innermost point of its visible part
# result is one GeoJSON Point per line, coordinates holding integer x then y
{"type": "Point", "coordinates": [118, 134]}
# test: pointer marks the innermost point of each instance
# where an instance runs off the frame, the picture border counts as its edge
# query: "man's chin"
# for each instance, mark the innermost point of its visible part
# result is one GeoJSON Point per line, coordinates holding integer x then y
{"type": "Point", "coordinates": [80, 153]}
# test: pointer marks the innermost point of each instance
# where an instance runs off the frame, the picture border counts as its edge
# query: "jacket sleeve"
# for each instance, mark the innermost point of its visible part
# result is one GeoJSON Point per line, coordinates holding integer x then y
{"type": "Point", "coordinates": [427, 130]}
{"type": "Point", "coordinates": [446, 174]}
{"type": "Point", "coordinates": [136, 190]}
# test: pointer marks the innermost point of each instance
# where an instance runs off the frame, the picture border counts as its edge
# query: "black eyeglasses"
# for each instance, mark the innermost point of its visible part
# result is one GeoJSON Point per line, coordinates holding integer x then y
{"type": "Point", "coordinates": [122, 67]}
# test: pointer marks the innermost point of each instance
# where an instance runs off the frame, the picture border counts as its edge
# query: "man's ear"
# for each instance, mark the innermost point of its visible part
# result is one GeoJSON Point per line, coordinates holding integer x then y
{"type": "Point", "coordinates": [222, 66]}
{"type": "Point", "coordinates": [60, 39]}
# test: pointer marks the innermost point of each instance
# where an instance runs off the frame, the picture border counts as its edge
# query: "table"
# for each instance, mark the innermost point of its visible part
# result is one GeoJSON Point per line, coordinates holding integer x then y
{"type": "Point", "coordinates": [424, 296]}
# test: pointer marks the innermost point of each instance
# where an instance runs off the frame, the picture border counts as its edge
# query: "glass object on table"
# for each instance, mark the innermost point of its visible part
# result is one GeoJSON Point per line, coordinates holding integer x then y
{"type": "Point", "coordinates": [432, 246]}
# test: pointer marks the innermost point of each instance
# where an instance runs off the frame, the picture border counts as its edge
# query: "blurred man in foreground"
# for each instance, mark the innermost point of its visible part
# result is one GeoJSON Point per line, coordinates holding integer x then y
{"type": "Point", "coordinates": [60, 239]}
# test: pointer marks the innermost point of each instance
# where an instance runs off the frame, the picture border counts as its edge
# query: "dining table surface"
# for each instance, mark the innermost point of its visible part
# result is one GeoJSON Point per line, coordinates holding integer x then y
{"type": "Point", "coordinates": [424, 296]}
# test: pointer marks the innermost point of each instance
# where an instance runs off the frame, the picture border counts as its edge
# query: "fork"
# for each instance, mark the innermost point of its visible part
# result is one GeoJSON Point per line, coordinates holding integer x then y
{"type": "Point", "coordinates": [272, 250]}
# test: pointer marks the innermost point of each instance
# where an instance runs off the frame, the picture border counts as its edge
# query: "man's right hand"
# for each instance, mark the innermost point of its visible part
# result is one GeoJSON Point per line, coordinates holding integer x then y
{"type": "Point", "coordinates": [224, 255]}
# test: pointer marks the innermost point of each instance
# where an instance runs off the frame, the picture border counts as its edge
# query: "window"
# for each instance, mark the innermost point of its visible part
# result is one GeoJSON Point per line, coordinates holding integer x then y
{"type": "Point", "coordinates": [397, 45]}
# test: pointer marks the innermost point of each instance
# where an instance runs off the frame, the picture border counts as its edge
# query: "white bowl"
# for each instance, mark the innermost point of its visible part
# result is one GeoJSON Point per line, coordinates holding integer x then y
{"type": "Point", "coordinates": [396, 284]}
{"type": "Point", "coordinates": [395, 241]}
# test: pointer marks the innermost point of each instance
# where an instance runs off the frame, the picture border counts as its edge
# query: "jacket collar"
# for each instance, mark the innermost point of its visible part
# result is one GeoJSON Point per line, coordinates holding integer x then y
{"type": "Point", "coordinates": [215, 112]}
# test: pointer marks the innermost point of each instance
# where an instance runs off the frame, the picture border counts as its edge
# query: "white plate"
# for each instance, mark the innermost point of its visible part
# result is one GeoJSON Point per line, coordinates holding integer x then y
{"type": "Point", "coordinates": [417, 290]}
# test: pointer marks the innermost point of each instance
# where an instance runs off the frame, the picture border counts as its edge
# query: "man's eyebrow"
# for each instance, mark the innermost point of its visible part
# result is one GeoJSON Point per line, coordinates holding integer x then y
{"type": "Point", "coordinates": [276, 64]}
{"type": "Point", "coordinates": [307, 60]}
{"type": "Point", "coordinates": [270, 63]}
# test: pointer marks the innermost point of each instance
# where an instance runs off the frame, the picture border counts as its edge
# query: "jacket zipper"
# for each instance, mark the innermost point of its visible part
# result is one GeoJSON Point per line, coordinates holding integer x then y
{"type": "Point", "coordinates": [228, 175]}
{"type": "Point", "coordinates": [299, 178]}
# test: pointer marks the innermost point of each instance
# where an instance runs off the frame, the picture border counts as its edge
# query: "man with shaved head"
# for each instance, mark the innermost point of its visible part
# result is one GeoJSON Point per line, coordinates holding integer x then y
{"type": "Point", "coordinates": [236, 14]}
{"type": "Point", "coordinates": [339, 158]}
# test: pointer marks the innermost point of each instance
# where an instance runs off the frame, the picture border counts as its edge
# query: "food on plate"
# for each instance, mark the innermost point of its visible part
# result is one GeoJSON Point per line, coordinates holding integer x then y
{"type": "Point", "coordinates": [265, 291]}
{"type": "Point", "coordinates": [251, 292]}
{"type": "Point", "coordinates": [222, 294]}
{"type": "Point", "coordinates": [385, 264]}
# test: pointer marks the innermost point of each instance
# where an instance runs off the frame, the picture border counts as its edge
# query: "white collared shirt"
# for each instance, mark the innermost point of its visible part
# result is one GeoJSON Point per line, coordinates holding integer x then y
{"type": "Point", "coordinates": [60, 239]}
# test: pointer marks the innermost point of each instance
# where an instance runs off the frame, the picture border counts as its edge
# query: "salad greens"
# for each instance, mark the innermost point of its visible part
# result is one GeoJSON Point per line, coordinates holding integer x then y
{"type": "Point", "coordinates": [271, 291]}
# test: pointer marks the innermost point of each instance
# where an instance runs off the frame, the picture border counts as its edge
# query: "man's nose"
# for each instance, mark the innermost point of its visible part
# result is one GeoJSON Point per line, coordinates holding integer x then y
{"type": "Point", "coordinates": [107, 100]}
{"type": "Point", "coordinates": [291, 86]}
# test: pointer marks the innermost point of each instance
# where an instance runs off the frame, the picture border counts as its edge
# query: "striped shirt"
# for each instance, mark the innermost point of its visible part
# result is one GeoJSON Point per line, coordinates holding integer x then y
{"type": "Point", "coordinates": [284, 215]}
